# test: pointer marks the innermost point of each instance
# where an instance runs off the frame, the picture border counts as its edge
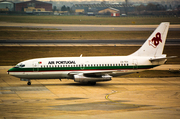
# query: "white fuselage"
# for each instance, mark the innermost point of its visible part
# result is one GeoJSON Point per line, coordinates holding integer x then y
{"type": "Point", "coordinates": [62, 67]}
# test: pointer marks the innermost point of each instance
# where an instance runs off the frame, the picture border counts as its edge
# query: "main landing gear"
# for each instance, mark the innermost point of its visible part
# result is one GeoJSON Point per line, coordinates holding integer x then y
{"type": "Point", "coordinates": [29, 81]}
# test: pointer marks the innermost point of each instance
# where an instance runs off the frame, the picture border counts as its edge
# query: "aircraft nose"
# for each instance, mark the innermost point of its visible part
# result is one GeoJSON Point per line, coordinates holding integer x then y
{"type": "Point", "coordinates": [8, 71]}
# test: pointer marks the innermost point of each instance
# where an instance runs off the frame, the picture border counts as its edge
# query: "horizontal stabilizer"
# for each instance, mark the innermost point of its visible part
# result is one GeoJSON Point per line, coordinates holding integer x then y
{"type": "Point", "coordinates": [156, 59]}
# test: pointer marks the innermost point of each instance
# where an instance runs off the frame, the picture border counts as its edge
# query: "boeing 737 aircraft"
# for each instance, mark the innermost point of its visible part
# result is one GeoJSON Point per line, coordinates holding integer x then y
{"type": "Point", "coordinates": [95, 69]}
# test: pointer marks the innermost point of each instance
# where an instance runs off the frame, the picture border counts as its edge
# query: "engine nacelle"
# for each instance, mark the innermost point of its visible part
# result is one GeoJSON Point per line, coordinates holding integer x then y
{"type": "Point", "coordinates": [84, 79]}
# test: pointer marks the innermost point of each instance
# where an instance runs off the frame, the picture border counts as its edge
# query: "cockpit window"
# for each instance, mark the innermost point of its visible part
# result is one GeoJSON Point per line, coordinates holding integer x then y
{"type": "Point", "coordinates": [22, 65]}
{"type": "Point", "coordinates": [19, 66]}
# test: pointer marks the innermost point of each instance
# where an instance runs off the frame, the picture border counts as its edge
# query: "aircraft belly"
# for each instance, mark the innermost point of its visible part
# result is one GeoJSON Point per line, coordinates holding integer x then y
{"type": "Point", "coordinates": [41, 75]}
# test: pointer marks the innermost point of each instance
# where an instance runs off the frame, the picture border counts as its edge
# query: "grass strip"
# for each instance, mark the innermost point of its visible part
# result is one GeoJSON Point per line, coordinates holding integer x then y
{"type": "Point", "coordinates": [153, 74]}
{"type": "Point", "coordinates": [77, 35]}
{"type": "Point", "coordinates": [95, 20]}
{"type": "Point", "coordinates": [25, 29]}
{"type": "Point", "coordinates": [11, 55]}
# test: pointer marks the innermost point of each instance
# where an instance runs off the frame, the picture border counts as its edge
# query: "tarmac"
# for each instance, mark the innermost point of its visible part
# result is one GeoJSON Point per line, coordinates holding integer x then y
{"type": "Point", "coordinates": [126, 98]}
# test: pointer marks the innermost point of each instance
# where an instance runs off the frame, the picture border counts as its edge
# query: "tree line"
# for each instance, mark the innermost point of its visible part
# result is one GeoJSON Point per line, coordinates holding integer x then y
{"type": "Point", "coordinates": [151, 7]}
{"type": "Point", "coordinates": [63, 8]}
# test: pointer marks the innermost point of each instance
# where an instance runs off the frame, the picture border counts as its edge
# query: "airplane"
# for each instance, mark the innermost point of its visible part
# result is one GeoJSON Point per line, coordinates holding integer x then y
{"type": "Point", "coordinates": [97, 68]}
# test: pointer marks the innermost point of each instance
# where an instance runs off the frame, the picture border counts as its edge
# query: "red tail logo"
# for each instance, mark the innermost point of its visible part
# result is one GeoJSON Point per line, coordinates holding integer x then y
{"type": "Point", "coordinates": [155, 41]}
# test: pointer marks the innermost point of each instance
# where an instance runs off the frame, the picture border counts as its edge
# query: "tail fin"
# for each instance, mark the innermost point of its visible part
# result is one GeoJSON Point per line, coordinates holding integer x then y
{"type": "Point", "coordinates": [154, 45]}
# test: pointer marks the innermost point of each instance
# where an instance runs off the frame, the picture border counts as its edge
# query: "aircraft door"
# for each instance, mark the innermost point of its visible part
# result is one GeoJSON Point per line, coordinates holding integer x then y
{"type": "Point", "coordinates": [35, 66]}
{"type": "Point", "coordinates": [82, 66]}
{"type": "Point", "coordinates": [135, 64]}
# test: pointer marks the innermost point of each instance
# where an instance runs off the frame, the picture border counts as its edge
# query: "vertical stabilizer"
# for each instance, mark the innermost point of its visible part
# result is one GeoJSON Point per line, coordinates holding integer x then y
{"type": "Point", "coordinates": [154, 45]}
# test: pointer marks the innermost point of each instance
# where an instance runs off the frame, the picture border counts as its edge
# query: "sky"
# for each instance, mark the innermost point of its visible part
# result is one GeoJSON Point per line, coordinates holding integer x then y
{"type": "Point", "coordinates": [112, 0]}
{"type": "Point", "coordinates": [144, 1]}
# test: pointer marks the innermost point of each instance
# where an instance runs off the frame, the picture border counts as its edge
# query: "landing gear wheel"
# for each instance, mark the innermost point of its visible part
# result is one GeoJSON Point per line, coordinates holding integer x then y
{"type": "Point", "coordinates": [29, 83]}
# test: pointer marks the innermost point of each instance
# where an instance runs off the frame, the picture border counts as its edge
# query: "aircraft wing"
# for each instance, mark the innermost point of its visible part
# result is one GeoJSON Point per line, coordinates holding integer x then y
{"type": "Point", "coordinates": [91, 72]}
{"type": "Point", "coordinates": [91, 76]}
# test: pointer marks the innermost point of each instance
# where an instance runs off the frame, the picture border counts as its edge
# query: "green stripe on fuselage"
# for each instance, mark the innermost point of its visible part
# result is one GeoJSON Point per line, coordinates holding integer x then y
{"type": "Point", "coordinates": [82, 68]}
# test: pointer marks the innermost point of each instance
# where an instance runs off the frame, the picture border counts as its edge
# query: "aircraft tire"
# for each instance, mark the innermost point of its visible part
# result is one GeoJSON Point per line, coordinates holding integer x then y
{"type": "Point", "coordinates": [29, 83]}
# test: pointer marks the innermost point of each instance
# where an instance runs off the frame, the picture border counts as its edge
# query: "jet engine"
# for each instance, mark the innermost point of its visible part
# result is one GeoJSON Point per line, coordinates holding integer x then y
{"type": "Point", "coordinates": [84, 78]}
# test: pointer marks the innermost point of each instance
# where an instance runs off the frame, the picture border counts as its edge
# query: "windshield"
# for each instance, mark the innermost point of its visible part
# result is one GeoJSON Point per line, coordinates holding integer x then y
{"type": "Point", "coordinates": [19, 65]}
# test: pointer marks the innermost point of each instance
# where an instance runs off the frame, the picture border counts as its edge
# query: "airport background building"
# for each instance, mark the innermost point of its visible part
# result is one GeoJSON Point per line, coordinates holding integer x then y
{"type": "Point", "coordinates": [33, 5]}
{"type": "Point", "coordinates": [6, 6]}
{"type": "Point", "coordinates": [102, 7]}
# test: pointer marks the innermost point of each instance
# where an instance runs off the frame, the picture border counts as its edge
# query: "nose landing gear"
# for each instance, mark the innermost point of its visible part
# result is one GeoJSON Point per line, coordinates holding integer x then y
{"type": "Point", "coordinates": [29, 83]}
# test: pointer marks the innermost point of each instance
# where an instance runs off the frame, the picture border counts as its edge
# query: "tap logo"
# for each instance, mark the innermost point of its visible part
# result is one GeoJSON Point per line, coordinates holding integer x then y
{"type": "Point", "coordinates": [155, 41]}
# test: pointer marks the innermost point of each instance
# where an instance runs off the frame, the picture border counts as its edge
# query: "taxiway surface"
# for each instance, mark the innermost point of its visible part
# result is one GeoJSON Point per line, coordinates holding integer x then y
{"type": "Point", "coordinates": [157, 98]}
